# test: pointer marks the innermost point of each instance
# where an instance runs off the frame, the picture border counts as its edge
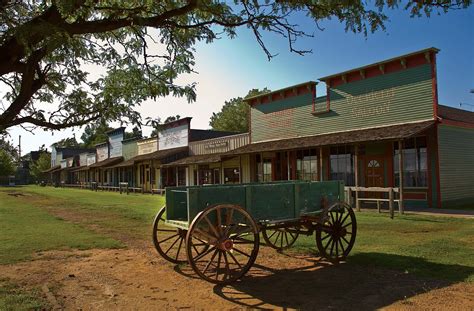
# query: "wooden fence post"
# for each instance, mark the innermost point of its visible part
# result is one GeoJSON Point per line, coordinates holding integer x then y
{"type": "Point", "coordinates": [390, 202]}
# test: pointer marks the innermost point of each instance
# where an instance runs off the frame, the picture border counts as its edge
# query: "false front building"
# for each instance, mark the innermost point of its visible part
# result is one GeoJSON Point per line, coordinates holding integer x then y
{"type": "Point", "coordinates": [356, 131]}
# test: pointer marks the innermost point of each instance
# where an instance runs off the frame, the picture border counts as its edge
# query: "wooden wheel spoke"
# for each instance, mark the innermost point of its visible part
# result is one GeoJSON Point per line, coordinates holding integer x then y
{"type": "Point", "coordinates": [241, 252]}
{"type": "Point", "coordinates": [229, 214]}
{"type": "Point", "coordinates": [332, 217]}
{"type": "Point", "coordinates": [342, 221]}
{"type": "Point", "coordinates": [211, 226]}
{"type": "Point", "coordinates": [165, 230]}
{"type": "Point", "coordinates": [208, 235]}
{"type": "Point", "coordinates": [239, 240]}
{"type": "Point", "coordinates": [337, 248]}
{"type": "Point", "coordinates": [204, 253]}
{"type": "Point", "coordinates": [342, 248]}
{"type": "Point", "coordinates": [168, 238]}
{"type": "Point", "coordinates": [271, 235]}
{"type": "Point", "coordinates": [218, 264]}
{"type": "Point", "coordinates": [210, 261]}
{"type": "Point", "coordinates": [329, 242]}
{"type": "Point", "coordinates": [227, 267]}
{"type": "Point", "coordinates": [345, 240]}
{"type": "Point", "coordinates": [169, 248]}
{"type": "Point", "coordinates": [345, 226]}
{"type": "Point", "coordinates": [327, 236]}
{"type": "Point", "coordinates": [332, 246]}
{"type": "Point", "coordinates": [286, 238]}
{"type": "Point", "coordinates": [235, 260]}
{"type": "Point", "coordinates": [179, 248]}
{"type": "Point", "coordinates": [219, 224]}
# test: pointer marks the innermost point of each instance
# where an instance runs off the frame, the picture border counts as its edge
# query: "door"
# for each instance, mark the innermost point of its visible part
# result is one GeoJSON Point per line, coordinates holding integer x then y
{"type": "Point", "coordinates": [374, 174]}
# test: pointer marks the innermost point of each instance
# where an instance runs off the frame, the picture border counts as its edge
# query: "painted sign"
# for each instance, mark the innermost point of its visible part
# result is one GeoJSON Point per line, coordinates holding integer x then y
{"type": "Point", "coordinates": [215, 145]}
{"type": "Point", "coordinates": [173, 137]}
{"type": "Point", "coordinates": [90, 159]}
{"type": "Point", "coordinates": [102, 152]}
{"type": "Point", "coordinates": [147, 146]}
{"type": "Point", "coordinates": [115, 143]}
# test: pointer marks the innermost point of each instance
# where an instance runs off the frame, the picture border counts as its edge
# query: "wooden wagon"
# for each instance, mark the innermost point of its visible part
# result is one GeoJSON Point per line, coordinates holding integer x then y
{"type": "Point", "coordinates": [216, 229]}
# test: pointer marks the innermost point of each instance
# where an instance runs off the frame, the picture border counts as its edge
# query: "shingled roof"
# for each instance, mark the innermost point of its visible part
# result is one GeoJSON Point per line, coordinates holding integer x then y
{"type": "Point", "coordinates": [455, 114]}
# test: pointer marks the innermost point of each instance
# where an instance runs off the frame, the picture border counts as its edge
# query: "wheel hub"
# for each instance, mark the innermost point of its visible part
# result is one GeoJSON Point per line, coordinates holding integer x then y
{"type": "Point", "coordinates": [226, 245]}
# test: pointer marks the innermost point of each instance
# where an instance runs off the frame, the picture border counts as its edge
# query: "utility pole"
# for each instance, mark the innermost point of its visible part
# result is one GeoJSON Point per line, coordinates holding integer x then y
{"type": "Point", "coordinates": [19, 148]}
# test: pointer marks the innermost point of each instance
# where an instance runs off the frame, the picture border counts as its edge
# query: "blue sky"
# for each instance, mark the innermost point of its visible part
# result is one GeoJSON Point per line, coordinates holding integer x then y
{"type": "Point", "coordinates": [229, 68]}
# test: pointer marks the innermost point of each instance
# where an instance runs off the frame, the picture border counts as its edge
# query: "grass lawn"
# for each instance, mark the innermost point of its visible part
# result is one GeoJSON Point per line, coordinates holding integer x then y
{"type": "Point", "coordinates": [433, 246]}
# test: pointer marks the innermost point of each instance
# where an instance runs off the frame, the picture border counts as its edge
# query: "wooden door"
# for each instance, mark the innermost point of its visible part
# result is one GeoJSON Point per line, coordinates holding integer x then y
{"type": "Point", "coordinates": [374, 174]}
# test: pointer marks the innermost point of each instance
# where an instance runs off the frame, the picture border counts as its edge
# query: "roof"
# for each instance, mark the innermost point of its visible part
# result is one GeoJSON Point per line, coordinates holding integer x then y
{"type": "Point", "coordinates": [372, 134]}
{"type": "Point", "coordinates": [81, 168]}
{"type": "Point", "coordinates": [197, 159]}
{"type": "Point", "coordinates": [160, 154]}
{"type": "Point", "coordinates": [246, 99]}
{"type": "Point", "coordinates": [53, 169]}
{"type": "Point", "coordinates": [380, 63]}
{"type": "Point", "coordinates": [197, 135]}
{"type": "Point", "coordinates": [116, 130]}
{"type": "Point", "coordinates": [455, 114]}
{"type": "Point", "coordinates": [107, 162]}
{"type": "Point", "coordinates": [129, 162]}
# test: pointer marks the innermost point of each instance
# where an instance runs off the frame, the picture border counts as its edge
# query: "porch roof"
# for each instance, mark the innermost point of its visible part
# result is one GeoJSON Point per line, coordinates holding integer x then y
{"type": "Point", "coordinates": [159, 154]}
{"type": "Point", "coordinates": [81, 168]}
{"type": "Point", "coordinates": [126, 163]}
{"type": "Point", "coordinates": [393, 132]}
{"type": "Point", "coordinates": [53, 169]}
{"type": "Point", "coordinates": [107, 162]}
{"type": "Point", "coordinates": [197, 159]}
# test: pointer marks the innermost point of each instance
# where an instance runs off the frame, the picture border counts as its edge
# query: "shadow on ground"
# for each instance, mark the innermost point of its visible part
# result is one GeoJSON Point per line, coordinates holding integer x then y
{"type": "Point", "coordinates": [321, 285]}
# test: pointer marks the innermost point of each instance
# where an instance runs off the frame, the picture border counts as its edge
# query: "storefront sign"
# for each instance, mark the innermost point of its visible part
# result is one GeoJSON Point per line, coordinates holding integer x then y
{"type": "Point", "coordinates": [371, 104]}
{"type": "Point", "coordinates": [173, 137]}
{"type": "Point", "coordinates": [215, 145]}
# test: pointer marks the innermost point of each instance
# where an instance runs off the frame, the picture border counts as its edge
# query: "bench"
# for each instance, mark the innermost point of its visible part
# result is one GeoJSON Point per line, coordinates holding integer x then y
{"type": "Point", "coordinates": [160, 191]}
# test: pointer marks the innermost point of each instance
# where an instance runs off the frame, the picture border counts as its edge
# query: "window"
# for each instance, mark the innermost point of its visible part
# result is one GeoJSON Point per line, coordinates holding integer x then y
{"type": "Point", "coordinates": [415, 169]}
{"type": "Point", "coordinates": [342, 164]}
{"type": "Point", "coordinates": [264, 169]}
{"type": "Point", "coordinates": [181, 176]}
{"type": "Point", "coordinates": [231, 175]}
{"type": "Point", "coordinates": [307, 165]}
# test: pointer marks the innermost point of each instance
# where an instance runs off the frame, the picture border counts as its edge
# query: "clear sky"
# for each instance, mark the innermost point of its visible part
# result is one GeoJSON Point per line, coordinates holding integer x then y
{"type": "Point", "coordinates": [229, 68]}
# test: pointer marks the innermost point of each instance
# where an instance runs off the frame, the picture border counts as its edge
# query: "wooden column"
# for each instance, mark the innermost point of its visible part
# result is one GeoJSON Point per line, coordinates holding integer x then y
{"type": "Point", "coordinates": [240, 169]}
{"type": "Point", "coordinates": [321, 163]}
{"type": "Point", "coordinates": [400, 170]}
{"type": "Point", "coordinates": [288, 170]}
{"type": "Point", "coordinates": [356, 171]}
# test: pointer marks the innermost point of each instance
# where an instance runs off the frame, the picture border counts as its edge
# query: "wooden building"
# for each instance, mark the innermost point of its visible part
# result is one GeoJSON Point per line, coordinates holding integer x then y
{"type": "Point", "coordinates": [356, 131]}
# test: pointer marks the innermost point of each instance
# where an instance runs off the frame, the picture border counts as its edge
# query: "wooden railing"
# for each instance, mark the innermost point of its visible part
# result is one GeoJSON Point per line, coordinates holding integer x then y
{"type": "Point", "coordinates": [391, 197]}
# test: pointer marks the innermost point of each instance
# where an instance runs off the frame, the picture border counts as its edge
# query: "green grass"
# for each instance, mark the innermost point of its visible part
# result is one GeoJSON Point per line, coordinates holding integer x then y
{"type": "Point", "coordinates": [433, 246]}
{"type": "Point", "coordinates": [25, 229]}
{"type": "Point", "coordinates": [13, 298]}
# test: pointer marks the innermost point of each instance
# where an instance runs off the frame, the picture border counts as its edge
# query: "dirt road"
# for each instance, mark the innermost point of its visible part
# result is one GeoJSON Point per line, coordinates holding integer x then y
{"type": "Point", "coordinates": [139, 279]}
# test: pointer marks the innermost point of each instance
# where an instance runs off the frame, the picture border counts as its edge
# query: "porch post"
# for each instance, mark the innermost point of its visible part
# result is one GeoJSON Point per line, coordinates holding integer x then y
{"type": "Point", "coordinates": [356, 168]}
{"type": "Point", "coordinates": [288, 165]}
{"type": "Point", "coordinates": [400, 169]}
{"type": "Point", "coordinates": [321, 163]}
{"type": "Point", "coordinates": [240, 169]}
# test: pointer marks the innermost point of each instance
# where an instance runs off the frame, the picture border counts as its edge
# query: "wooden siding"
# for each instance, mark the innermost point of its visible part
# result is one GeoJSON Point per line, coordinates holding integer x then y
{"type": "Point", "coordinates": [174, 137]}
{"type": "Point", "coordinates": [129, 150]}
{"type": "Point", "coordinates": [147, 145]}
{"type": "Point", "coordinates": [54, 159]}
{"type": "Point", "coordinates": [115, 145]}
{"type": "Point", "coordinates": [90, 158]}
{"type": "Point", "coordinates": [456, 165]}
{"type": "Point", "coordinates": [218, 145]}
{"type": "Point", "coordinates": [102, 152]}
{"type": "Point", "coordinates": [392, 98]}
{"type": "Point", "coordinates": [83, 159]}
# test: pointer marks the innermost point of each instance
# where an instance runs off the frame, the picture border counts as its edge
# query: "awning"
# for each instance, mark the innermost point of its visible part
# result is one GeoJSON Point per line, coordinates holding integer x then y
{"type": "Point", "coordinates": [197, 159]}
{"type": "Point", "coordinates": [162, 154]}
{"type": "Point", "coordinates": [127, 163]}
{"type": "Point", "coordinates": [393, 132]}
{"type": "Point", "coordinates": [53, 169]}
{"type": "Point", "coordinates": [106, 163]}
{"type": "Point", "coordinates": [81, 168]}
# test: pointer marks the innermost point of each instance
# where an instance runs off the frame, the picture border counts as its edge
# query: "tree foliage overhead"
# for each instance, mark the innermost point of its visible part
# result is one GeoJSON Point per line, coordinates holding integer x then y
{"type": "Point", "coordinates": [8, 147]}
{"type": "Point", "coordinates": [159, 126]}
{"type": "Point", "coordinates": [94, 134]}
{"type": "Point", "coordinates": [7, 167]}
{"type": "Point", "coordinates": [234, 115]}
{"type": "Point", "coordinates": [139, 48]}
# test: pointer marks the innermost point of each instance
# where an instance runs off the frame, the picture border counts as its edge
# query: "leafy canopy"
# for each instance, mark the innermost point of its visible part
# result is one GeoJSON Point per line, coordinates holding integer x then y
{"type": "Point", "coordinates": [41, 165]}
{"type": "Point", "coordinates": [67, 63]}
{"type": "Point", "coordinates": [234, 115]}
{"type": "Point", "coordinates": [7, 167]}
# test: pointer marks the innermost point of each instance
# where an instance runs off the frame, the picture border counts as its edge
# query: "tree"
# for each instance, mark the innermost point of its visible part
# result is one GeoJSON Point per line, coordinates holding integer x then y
{"type": "Point", "coordinates": [135, 133]}
{"type": "Point", "coordinates": [8, 147]}
{"type": "Point", "coordinates": [94, 134]}
{"type": "Point", "coordinates": [69, 142]}
{"type": "Point", "coordinates": [140, 48]}
{"type": "Point", "coordinates": [158, 126]}
{"type": "Point", "coordinates": [41, 165]}
{"type": "Point", "coordinates": [234, 115]}
{"type": "Point", "coordinates": [6, 164]}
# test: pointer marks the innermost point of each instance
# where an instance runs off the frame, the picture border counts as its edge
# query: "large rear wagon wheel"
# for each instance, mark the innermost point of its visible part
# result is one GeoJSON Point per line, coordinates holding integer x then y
{"type": "Point", "coordinates": [336, 237]}
{"type": "Point", "coordinates": [280, 238]}
{"type": "Point", "coordinates": [232, 238]}
{"type": "Point", "coordinates": [169, 241]}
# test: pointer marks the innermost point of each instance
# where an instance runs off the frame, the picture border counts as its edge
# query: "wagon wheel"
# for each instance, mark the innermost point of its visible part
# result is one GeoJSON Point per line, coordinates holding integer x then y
{"type": "Point", "coordinates": [280, 238]}
{"type": "Point", "coordinates": [169, 241]}
{"type": "Point", "coordinates": [336, 237]}
{"type": "Point", "coordinates": [233, 240]}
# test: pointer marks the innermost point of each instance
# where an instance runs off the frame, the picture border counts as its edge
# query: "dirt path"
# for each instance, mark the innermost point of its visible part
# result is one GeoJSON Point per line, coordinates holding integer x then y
{"type": "Point", "coordinates": [139, 279]}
